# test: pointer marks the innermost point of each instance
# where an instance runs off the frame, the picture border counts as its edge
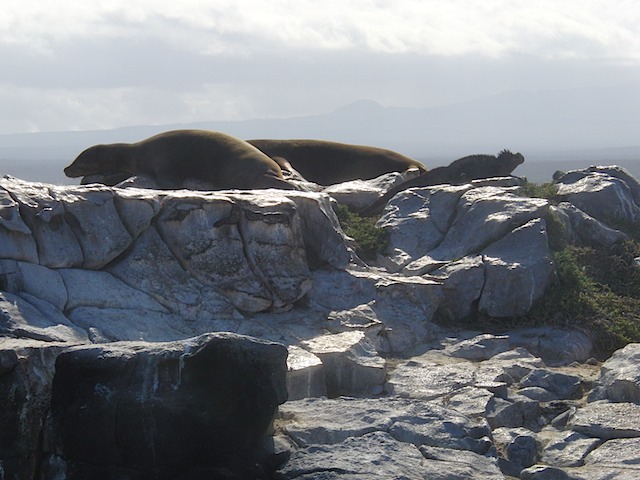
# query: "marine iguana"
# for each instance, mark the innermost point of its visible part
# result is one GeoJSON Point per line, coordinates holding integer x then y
{"type": "Point", "coordinates": [458, 172]}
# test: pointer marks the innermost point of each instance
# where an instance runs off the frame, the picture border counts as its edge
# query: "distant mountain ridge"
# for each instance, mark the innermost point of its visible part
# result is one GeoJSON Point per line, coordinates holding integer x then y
{"type": "Point", "coordinates": [537, 123]}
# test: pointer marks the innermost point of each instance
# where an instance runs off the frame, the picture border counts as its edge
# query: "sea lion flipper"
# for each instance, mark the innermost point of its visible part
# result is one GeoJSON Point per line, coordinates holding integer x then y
{"type": "Point", "coordinates": [268, 180]}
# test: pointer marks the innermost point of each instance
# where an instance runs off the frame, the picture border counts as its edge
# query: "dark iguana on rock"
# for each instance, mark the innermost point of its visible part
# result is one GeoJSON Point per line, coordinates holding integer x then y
{"type": "Point", "coordinates": [458, 172]}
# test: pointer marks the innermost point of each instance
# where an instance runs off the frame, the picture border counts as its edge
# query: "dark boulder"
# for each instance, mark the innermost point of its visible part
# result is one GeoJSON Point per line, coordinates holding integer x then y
{"type": "Point", "coordinates": [160, 410]}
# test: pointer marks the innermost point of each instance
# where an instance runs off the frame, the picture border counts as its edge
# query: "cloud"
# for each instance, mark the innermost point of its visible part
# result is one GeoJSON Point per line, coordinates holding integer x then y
{"type": "Point", "coordinates": [76, 64]}
{"type": "Point", "coordinates": [435, 27]}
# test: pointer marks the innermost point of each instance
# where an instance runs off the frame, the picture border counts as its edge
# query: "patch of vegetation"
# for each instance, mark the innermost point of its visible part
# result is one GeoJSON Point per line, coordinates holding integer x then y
{"type": "Point", "coordinates": [543, 190]}
{"type": "Point", "coordinates": [370, 240]}
{"type": "Point", "coordinates": [597, 291]}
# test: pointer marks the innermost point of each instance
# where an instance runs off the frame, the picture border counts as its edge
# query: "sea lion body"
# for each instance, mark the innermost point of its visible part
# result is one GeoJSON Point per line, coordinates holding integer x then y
{"type": "Point", "coordinates": [328, 163]}
{"type": "Point", "coordinates": [458, 172]}
{"type": "Point", "coordinates": [172, 158]}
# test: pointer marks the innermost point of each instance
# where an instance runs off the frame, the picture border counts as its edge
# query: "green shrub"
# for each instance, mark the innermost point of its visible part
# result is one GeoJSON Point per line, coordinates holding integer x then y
{"type": "Point", "coordinates": [544, 190]}
{"type": "Point", "coordinates": [370, 240]}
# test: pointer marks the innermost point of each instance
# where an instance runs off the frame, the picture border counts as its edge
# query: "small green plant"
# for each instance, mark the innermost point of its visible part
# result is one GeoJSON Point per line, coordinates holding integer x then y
{"type": "Point", "coordinates": [544, 190]}
{"type": "Point", "coordinates": [370, 240]}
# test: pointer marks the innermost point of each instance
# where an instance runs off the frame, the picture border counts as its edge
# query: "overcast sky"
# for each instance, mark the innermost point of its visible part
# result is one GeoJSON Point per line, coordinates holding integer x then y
{"type": "Point", "coordinates": [78, 65]}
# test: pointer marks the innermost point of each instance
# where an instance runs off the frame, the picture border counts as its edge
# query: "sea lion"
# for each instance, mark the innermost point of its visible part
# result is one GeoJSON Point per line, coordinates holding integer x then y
{"type": "Point", "coordinates": [214, 159]}
{"type": "Point", "coordinates": [328, 163]}
{"type": "Point", "coordinates": [458, 172]}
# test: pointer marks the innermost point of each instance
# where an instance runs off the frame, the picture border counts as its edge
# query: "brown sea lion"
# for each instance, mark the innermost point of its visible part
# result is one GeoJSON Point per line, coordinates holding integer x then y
{"type": "Point", "coordinates": [460, 171]}
{"type": "Point", "coordinates": [328, 163]}
{"type": "Point", "coordinates": [215, 159]}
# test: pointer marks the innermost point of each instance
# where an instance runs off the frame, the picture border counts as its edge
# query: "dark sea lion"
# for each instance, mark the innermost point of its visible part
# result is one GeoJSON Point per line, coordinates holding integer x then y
{"type": "Point", "coordinates": [328, 163]}
{"type": "Point", "coordinates": [216, 159]}
{"type": "Point", "coordinates": [463, 170]}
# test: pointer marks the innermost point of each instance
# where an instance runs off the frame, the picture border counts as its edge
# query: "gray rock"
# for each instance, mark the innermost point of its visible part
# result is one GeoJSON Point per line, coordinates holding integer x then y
{"type": "Point", "coordinates": [619, 452]}
{"type": "Point", "coordinates": [583, 229]}
{"type": "Point", "coordinates": [44, 283]}
{"type": "Point", "coordinates": [600, 195]}
{"type": "Point", "coordinates": [514, 411]}
{"type": "Point", "coordinates": [203, 234]}
{"type": "Point", "coordinates": [545, 472]}
{"type": "Point", "coordinates": [518, 270]}
{"type": "Point", "coordinates": [469, 401]}
{"type": "Point", "coordinates": [463, 283]}
{"type": "Point", "coordinates": [459, 465]}
{"type": "Point", "coordinates": [404, 305]}
{"type": "Point", "coordinates": [539, 394]}
{"type": "Point", "coordinates": [616, 171]}
{"type": "Point", "coordinates": [321, 232]}
{"type": "Point", "coordinates": [100, 289]}
{"type": "Point", "coordinates": [331, 421]}
{"type": "Point", "coordinates": [568, 450]}
{"type": "Point", "coordinates": [366, 456]}
{"type": "Point", "coordinates": [508, 367]}
{"type": "Point", "coordinates": [305, 375]}
{"type": "Point", "coordinates": [564, 386]}
{"type": "Point", "coordinates": [522, 451]}
{"type": "Point", "coordinates": [359, 194]}
{"type": "Point", "coordinates": [150, 267]}
{"type": "Point", "coordinates": [351, 364]}
{"type": "Point", "coordinates": [483, 216]}
{"type": "Point", "coordinates": [427, 380]}
{"type": "Point", "coordinates": [482, 347]}
{"type": "Point", "coordinates": [417, 219]}
{"type": "Point", "coordinates": [556, 346]}
{"type": "Point", "coordinates": [620, 375]}
{"type": "Point", "coordinates": [38, 320]}
{"type": "Point", "coordinates": [607, 420]}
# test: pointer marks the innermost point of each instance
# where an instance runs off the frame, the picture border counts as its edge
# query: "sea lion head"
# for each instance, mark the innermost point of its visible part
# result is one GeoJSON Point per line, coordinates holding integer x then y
{"type": "Point", "coordinates": [96, 160]}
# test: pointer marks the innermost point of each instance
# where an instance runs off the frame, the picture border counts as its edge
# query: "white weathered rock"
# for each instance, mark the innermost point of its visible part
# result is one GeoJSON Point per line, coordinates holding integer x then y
{"type": "Point", "coordinates": [365, 456]}
{"type": "Point", "coordinates": [556, 346]}
{"type": "Point", "coordinates": [564, 386]}
{"type": "Point", "coordinates": [600, 195]}
{"type": "Point", "coordinates": [305, 375]}
{"type": "Point", "coordinates": [518, 270]}
{"type": "Point", "coordinates": [582, 229]}
{"type": "Point", "coordinates": [417, 219]}
{"type": "Point", "coordinates": [423, 378]}
{"type": "Point", "coordinates": [404, 305]}
{"type": "Point", "coordinates": [607, 420]}
{"type": "Point", "coordinates": [481, 347]}
{"type": "Point", "coordinates": [359, 194]}
{"type": "Point", "coordinates": [463, 283]}
{"type": "Point", "coordinates": [620, 375]}
{"type": "Point", "coordinates": [569, 449]}
{"type": "Point", "coordinates": [38, 320]}
{"type": "Point", "coordinates": [483, 216]}
{"type": "Point", "coordinates": [351, 363]}
{"type": "Point", "coordinates": [331, 421]}
{"type": "Point", "coordinates": [617, 452]}
{"type": "Point", "coordinates": [454, 464]}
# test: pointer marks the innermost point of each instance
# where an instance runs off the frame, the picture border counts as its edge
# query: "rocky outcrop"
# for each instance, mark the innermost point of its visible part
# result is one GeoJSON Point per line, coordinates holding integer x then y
{"type": "Point", "coordinates": [116, 290]}
{"type": "Point", "coordinates": [492, 238]}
